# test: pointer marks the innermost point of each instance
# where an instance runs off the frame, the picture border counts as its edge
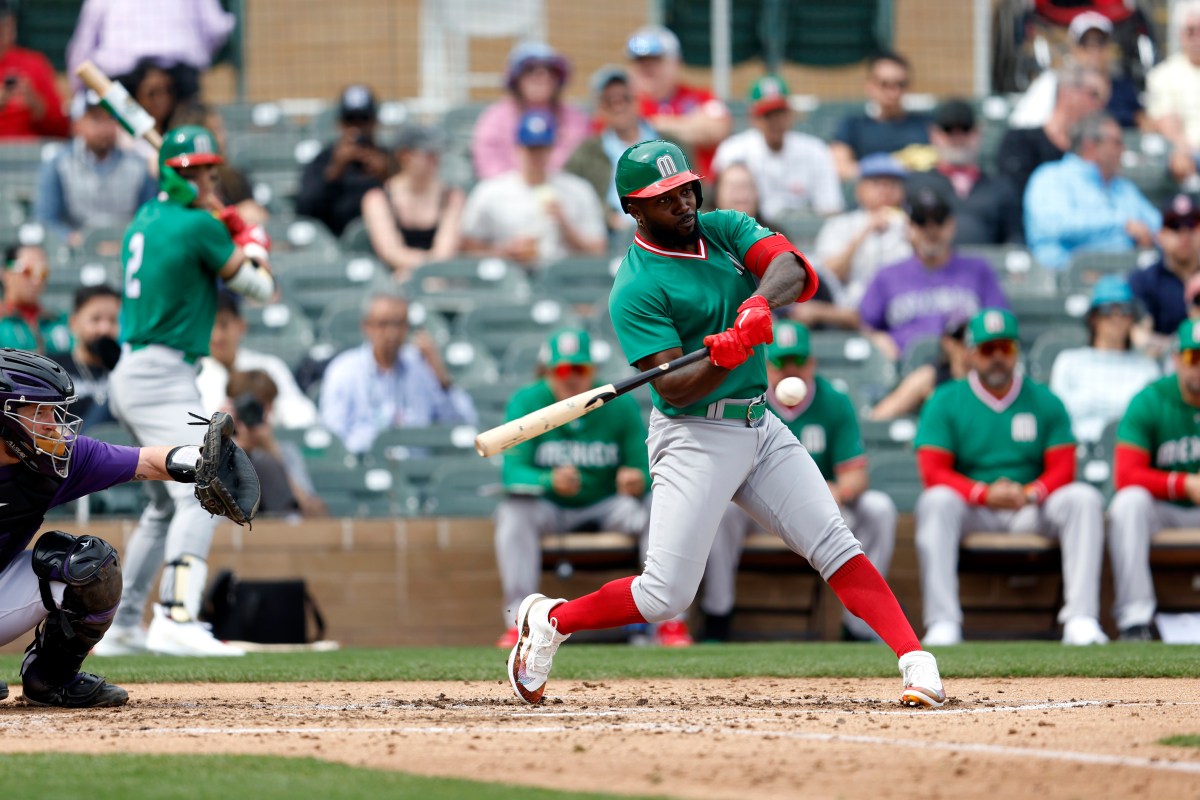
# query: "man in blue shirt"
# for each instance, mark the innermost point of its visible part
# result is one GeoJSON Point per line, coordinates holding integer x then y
{"type": "Point", "coordinates": [1160, 287]}
{"type": "Point", "coordinates": [1082, 203]}
{"type": "Point", "coordinates": [389, 382]}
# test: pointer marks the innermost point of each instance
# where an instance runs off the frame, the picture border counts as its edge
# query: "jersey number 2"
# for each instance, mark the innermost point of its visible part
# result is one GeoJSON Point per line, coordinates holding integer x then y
{"type": "Point", "coordinates": [133, 287]}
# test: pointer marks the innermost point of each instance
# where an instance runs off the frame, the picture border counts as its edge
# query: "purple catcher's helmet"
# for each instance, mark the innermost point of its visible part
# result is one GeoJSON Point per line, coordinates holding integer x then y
{"type": "Point", "coordinates": [35, 423]}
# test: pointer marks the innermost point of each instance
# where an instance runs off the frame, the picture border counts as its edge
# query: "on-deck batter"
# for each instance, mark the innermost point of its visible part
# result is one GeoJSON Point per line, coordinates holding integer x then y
{"type": "Point", "coordinates": [172, 256]}
{"type": "Point", "coordinates": [690, 280]}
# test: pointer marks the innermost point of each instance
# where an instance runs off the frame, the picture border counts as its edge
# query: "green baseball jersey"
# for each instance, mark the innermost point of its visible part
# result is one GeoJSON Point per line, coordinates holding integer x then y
{"type": "Point", "coordinates": [596, 444]}
{"type": "Point", "coordinates": [826, 425]}
{"type": "Point", "coordinates": [171, 256]}
{"type": "Point", "coordinates": [991, 437]}
{"type": "Point", "coordinates": [46, 333]}
{"type": "Point", "coordinates": [664, 298]}
{"type": "Point", "coordinates": [1161, 423]}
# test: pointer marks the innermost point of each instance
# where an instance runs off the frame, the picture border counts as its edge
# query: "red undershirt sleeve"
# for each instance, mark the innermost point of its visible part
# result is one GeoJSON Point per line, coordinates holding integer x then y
{"type": "Point", "coordinates": [1133, 469]}
{"type": "Point", "coordinates": [764, 251]}
{"type": "Point", "coordinates": [1059, 470]}
{"type": "Point", "coordinates": [937, 469]}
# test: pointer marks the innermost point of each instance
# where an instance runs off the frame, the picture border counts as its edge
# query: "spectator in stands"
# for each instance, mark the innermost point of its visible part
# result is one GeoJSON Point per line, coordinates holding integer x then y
{"type": "Point", "coordinates": [826, 424]}
{"type": "Point", "coordinates": [853, 246]}
{"type": "Point", "coordinates": [535, 80]}
{"type": "Point", "coordinates": [24, 323]}
{"type": "Point", "coordinates": [1080, 91]}
{"type": "Point", "coordinates": [590, 475]}
{"type": "Point", "coordinates": [885, 126]}
{"type": "Point", "coordinates": [292, 408]}
{"type": "Point", "coordinates": [916, 297]}
{"type": "Point", "coordinates": [29, 101]}
{"type": "Point", "coordinates": [153, 87]}
{"type": "Point", "coordinates": [181, 36]}
{"type": "Point", "coordinates": [414, 217]}
{"type": "Point", "coordinates": [950, 364]}
{"type": "Point", "coordinates": [534, 214]}
{"type": "Point", "coordinates": [1172, 88]}
{"type": "Point", "coordinates": [986, 209]}
{"type": "Point", "coordinates": [995, 453]}
{"type": "Point", "coordinates": [621, 127]}
{"type": "Point", "coordinates": [1090, 39]}
{"type": "Point", "coordinates": [1081, 202]}
{"type": "Point", "coordinates": [93, 325]}
{"type": "Point", "coordinates": [737, 190]}
{"type": "Point", "coordinates": [389, 381]}
{"type": "Point", "coordinates": [689, 115]}
{"type": "Point", "coordinates": [233, 185]}
{"type": "Point", "coordinates": [287, 489]}
{"type": "Point", "coordinates": [91, 183]}
{"type": "Point", "coordinates": [333, 183]}
{"type": "Point", "coordinates": [1097, 382]}
{"type": "Point", "coordinates": [794, 171]}
{"type": "Point", "coordinates": [1155, 470]}
{"type": "Point", "coordinates": [1160, 287]}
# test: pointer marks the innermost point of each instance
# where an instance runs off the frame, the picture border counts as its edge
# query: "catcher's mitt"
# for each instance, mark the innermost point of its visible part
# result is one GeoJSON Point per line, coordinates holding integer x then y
{"type": "Point", "coordinates": [226, 483]}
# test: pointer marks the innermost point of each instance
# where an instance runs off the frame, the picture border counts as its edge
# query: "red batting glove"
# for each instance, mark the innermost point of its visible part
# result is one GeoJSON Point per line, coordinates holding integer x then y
{"type": "Point", "coordinates": [251, 237]}
{"type": "Point", "coordinates": [232, 219]}
{"type": "Point", "coordinates": [725, 349]}
{"type": "Point", "coordinates": [754, 321]}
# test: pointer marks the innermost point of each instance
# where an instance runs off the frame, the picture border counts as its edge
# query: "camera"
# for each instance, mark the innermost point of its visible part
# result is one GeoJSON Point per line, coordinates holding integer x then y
{"type": "Point", "coordinates": [249, 410]}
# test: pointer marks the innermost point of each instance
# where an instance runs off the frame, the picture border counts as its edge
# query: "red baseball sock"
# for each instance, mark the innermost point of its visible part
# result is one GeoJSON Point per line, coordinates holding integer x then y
{"type": "Point", "coordinates": [865, 593]}
{"type": "Point", "coordinates": [610, 606]}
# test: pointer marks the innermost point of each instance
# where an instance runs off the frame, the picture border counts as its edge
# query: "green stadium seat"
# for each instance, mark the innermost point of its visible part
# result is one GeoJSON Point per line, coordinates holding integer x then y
{"type": "Point", "coordinates": [491, 399]}
{"type": "Point", "coordinates": [20, 162]}
{"type": "Point", "coordinates": [310, 279]}
{"type": "Point", "coordinates": [399, 444]}
{"type": "Point", "coordinates": [582, 281]}
{"type": "Point", "coordinates": [461, 284]}
{"type": "Point", "coordinates": [361, 491]}
{"type": "Point", "coordinates": [1048, 345]}
{"type": "Point", "coordinates": [1036, 315]}
{"type": "Point", "coordinates": [300, 234]}
{"type": "Point", "coordinates": [895, 474]}
{"type": "Point", "coordinates": [1085, 268]}
{"type": "Point", "coordinates": [1016, 270]}
{"type": "Point", "coordinates": [318, 445]}
{"type": "Point", "coordinates": [470, 363]}
{"type": "Point", "coordinates": [281, 329]}
{"type": "Point", "coordinates": [112, 433]}
{"type": "Point", "coordinates": [853, 365]}
{"type": "Point", "coordinates": [522, 358]}
{"type": "Point", "coordinates": [800, 227]}
{"type": "Point", "coordinates": [340, 324]}
{"type": "Point", "coordinates": [463, 490]}
{"type": "Point", "coordinates": [884, 436]}
{"type": "Point", "coordinates": [922, 351]}
{"type": "Point", "coordinates": [495, 325]}
{"type": "Point", "coordinates": [355, 239]}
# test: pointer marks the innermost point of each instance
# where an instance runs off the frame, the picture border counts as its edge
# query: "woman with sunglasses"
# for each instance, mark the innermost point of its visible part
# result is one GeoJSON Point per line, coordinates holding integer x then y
{"type": "Point", "coordinates": [1097, 382]}
{"type": "Point", "coordinates": [24, 322]}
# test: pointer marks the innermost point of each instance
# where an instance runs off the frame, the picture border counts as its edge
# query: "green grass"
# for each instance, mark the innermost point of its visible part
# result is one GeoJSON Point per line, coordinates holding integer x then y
{"type": "Point", "coordinates": [972, 660]}
{"type": "Point", "coordinates": [1182, 740]}
{"type": "Point", "coordinates": [120, 777]}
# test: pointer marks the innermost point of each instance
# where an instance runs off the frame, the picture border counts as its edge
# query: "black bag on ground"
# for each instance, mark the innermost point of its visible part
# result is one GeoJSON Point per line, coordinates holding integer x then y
{"type": "Point", "coordinates": [268, 612]}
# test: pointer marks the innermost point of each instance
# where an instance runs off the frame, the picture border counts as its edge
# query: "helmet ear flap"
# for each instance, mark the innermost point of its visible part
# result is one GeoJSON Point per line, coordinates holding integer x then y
{"type": "Point", "coordinates": [698, 189]}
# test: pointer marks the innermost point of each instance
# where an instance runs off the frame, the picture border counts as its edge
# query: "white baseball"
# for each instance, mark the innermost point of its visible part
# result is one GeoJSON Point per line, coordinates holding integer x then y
{"type": "Point", "coordinates": [791, 391]}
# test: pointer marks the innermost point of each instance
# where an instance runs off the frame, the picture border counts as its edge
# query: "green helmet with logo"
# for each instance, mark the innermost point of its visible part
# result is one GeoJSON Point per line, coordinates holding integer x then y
{"type": "Point", "coordinates": [189, 146]}
{"type": "Point", "coordinates": [650, 168]}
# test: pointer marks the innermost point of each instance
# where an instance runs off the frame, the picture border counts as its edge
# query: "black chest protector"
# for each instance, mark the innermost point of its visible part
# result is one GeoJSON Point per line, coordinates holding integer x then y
{"type": "Point", "coordinates": [25, 498]}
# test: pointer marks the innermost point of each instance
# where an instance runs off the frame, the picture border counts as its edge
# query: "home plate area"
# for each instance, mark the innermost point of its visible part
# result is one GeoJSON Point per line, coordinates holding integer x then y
{"type": "Point", "coordinates": [816, 737]}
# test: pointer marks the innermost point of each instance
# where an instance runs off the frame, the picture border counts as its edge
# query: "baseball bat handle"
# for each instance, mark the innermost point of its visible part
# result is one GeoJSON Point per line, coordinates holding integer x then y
{"type": "Point", "coordinates": [511, 433]}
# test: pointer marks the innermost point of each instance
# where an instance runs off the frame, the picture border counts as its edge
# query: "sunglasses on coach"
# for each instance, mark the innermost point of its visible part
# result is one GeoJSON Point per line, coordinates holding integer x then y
{"type": "Point", "coordinates": [567, 370]}
{"type": "Point", "coordinates": [783, 361]}
{"type": "Point", "coordinates": [1190, 357]}
{"type": "Point", "coordinates": [1002, 347]}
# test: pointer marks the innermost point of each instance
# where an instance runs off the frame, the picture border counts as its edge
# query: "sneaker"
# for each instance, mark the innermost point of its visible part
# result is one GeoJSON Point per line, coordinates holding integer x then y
{"type": "Point", "coordinates": [85, 690]}
{"type": "Point", "coordinates": [171, 638]}
{"type": "Point", "coordinates": [3, 690]}
{"type": "Point", "coordinates": [922, 683]}
{"type": "Point", "coordinates": [121, 640]}
{"type": "Point", "coordinates": [673, 633]}
{"type": "Point", "coordinates": [943, 634]}
{"type": "Point", "coordinates": [531, 658]}
{"type": "Point", "coordinates": [508, 640]}
{"type": "Point", "coordinates": [1136, 633]}
{"type": "Point", "coordinates": [1083, 631]}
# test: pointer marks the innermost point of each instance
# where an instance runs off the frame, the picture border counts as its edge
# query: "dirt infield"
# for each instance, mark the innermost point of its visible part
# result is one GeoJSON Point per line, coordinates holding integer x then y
{"type": "Point", "coordinates": [772, 738]}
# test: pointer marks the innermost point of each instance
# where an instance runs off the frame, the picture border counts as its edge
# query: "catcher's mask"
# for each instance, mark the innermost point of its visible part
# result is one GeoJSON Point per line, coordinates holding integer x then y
{"type": "Point", "coordinates": [35, 424]}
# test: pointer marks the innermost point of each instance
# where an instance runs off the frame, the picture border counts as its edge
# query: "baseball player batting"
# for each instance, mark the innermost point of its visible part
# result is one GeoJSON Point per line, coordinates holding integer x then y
{"type": "Point", "coordinates": [172, 255]}
{"type": "Point", "coordinates": [692, 280]}
{"type": "Point", "coordinates": [68, 586]}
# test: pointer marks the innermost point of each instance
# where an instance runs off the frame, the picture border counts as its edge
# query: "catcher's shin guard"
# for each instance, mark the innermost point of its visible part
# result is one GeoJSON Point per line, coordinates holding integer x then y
{"type": "Point", "coordinates": [182, 587]}
{"type": "Point", "coordinates": [91, 570]}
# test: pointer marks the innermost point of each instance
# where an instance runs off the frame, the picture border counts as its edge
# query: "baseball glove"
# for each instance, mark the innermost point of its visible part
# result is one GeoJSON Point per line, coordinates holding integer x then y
{"type": "Point", "coordinates": [226, 483]}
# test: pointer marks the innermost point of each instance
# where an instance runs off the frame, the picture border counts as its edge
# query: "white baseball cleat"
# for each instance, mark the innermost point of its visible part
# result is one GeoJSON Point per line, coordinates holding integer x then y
{"type": "Point", "coordinates": [942, 634]}
{"type": "Point", "coordinates": [1083, 631]}
{"type": "Point", "coordinates": [170, 638]}
{"type": "Point", "coordinates": [530, 660]}
{"type": "Point", "coordinates": [121, 640]}
{"type": "Point", "coordinates": [922, 683]}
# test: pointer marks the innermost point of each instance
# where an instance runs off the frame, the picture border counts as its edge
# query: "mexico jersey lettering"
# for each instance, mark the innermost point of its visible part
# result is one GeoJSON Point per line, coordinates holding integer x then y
{"type": "Point", "coordinates": [665, 298]}
{"type": "Point", "coordinates": [992, 437]}
{"type": "Point", "coordinates": [826, 425]}
{"type": "Point", "coordinates": [1159, 422]}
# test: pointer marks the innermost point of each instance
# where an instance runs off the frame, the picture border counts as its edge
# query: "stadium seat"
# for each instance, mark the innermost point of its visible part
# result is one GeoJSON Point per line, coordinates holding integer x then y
{"type": "Point", "coordinates": [853, 365]}
{"type": "Point", "coordinates": [1048, 345]}
{"type": "Point", "coordinates": [280, 329]}
{"type": "Point", "coordinates": [491, 399]}
{"type": "Point", "coordinates": [291, 234]}
{"type": "Point", "coordinates": [895, 474]}
{"type": "Point", "coordinates": [920, 352]}
{"type": "Point", "coordinates": [340, 325]}
{"type": "Point", "coordinates": [887, 436]}
{"type": "Point", "coordinates": [1036, 315]}
{"type": "Point", "coordinates": [1085, 268]}
{"type": "Point", "coordinates": [311, 278]}
{"type": "Point", "coordinates": [461, 284]}
{"type": "Point", "coordinates": [398, 444]}
{"type": "Point", "coordinates": [464, 490]}
{"type": "Point", "coordinates": [318, 445]}
{"type": "Point", "coordinates": [522, 357]}
{"type": "Point", "coordinates": [20, 162]}
{"type": "Point", "coordinates": [582, 281]}
{"type": "Point", "coordinates": [800, 227]}
{"type": "Point", "coordinates": [272, 150]}
{"type": "Point", "coordinates": [361, 491]}
{"type": "Point", "coordinates": [470, 363]}
{"type": "Point", "coordinates": [496, 325]}
{"type": "Point", "coordinates": [355, 239]}
{"type": "Point", "coordinates": [1016, 270]}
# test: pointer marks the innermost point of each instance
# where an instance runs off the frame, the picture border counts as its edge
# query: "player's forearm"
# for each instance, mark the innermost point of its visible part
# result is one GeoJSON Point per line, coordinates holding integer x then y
{"type": "Point", "coordinates": [783, 281]}
{"type": "Point", "coordinates": [152, 464]}
{"type": "Point", "coordinates": [686, 385]}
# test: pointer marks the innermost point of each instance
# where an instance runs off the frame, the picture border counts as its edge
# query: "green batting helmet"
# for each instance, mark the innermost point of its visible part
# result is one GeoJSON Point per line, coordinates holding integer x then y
{"type": "Point", "coordinates": [650, 168]}
{"type": "Point", "coordinates": [189, 146]}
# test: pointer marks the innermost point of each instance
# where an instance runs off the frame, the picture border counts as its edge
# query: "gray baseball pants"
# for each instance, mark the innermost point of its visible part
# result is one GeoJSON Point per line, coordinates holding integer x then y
{"type": "Point", "coordinates": [1073, 514]}
{"type": "Point", "coordinates": [872, 517]}
{"type": "Point", "coordinates": [698, 466]}
{"type": "Point", "coordinates": [1134, 516]}
{"type": "Point", "coordinates": [521, 522]}
{"type": "Point", "coordinates": [151, 393]}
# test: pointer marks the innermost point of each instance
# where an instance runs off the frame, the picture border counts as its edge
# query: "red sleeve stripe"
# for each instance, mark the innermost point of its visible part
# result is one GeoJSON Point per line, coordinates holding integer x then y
{"type": "Point", "coordinates": [1132, 468]}
{"type": "Point", "coordinates": [764, 251]}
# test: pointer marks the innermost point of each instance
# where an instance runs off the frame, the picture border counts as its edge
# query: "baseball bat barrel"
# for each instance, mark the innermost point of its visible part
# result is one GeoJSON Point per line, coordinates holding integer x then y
{"type": "Point", "coordinates": [125, 110]}
{"type": "Point", "coordinates": [502, 437]}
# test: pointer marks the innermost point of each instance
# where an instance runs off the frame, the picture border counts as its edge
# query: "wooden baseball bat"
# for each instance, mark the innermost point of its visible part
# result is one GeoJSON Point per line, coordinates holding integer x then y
{"type": "Point", "coordinates": [115, 98]}
{"type": "Point", "coordinates": [510, 434]}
